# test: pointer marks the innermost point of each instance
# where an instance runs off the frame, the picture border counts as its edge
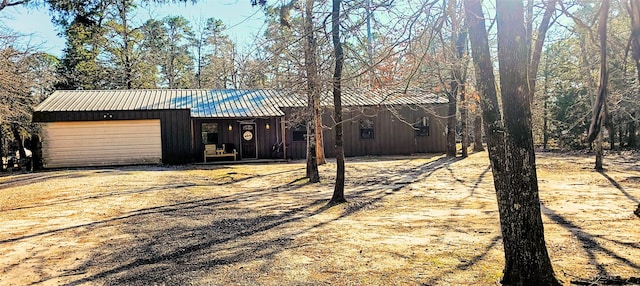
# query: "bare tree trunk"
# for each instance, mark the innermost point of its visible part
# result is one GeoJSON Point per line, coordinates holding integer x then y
{"type": "Point", "coordinates": [632, 141]}
{"type": "Point", "coordinates": [458, 39]}
{"type": "Point", "coordinates": [461, 42]}
{"type": "Point", "coordinates": [338, 191]}
{"type": "Point", "coordinates": [634, 13]}
{"type": "Point", "coordinates": [477, 134]}
{"type": "Point", "coordinates": [319, 134]}
{"type": "Point", "coordinates": [598, 151]}
{"type": "Point", "coordinates": [612, 135]}
{"type": "Point", "coordinates": [545, 106]}
{"type": "Point", "coordinates": [451, 120]}
{"type": "Point", "coordinates": [600, 113]}
{"type": "Point", "coordinates": [317, 114]}
{"type": "Point", "coordinates": [545, 125]}
{"type": "Point", "coordinates": [511, 147]}
{"type": "Point", "coordinates": [536, 50]}
{"type": "Point", "coordinates": [2, 169]}
{"type": "Point", "coordinates": [313, 93]}
{"type": "Point", "coordinates": [463, 122]}
{"type": "Point", "coordinates": [127, 61]}
{"type": "Point", "coordinates": [15, 128]}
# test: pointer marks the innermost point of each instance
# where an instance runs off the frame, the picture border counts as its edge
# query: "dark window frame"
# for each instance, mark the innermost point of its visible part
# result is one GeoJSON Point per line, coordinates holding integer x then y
{"type": "Point", "coordinates": [422, 127]}
{"type": "Point", "coordinates": [210, 135]}
{"type": "Point", "coordinates": [299, 133]}
{"type": "Point", "coordinates": [367, 129]}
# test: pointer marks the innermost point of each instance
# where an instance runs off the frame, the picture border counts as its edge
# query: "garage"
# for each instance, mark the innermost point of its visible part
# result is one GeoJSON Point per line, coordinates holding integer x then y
{"type": "Point", "coordinates": [101, 143]}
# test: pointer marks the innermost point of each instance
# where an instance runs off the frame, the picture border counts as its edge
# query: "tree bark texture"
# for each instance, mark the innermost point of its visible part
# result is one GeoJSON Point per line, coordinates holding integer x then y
{"type": "Point", "coordinates": [464, 126]}
{"type": "Point", "coordinates": [477, 134]}
{"type": "Point", "coordinates": [2, 169]}
{"type": "Point", "coordinates": [461, 42]}
{"type": "Point", "coordinates": [526, 258]}
{"type": "Point", "coordinates": [511, 146]}
{"type": "Point", "coordinates": [485, 84]}
{"type": "Point", "coordinates": [313, 93]}
{"type": "Point", "coordinates": [319, 135]}
{"type": "Point", "coordinates": [317, 114]}
{"type": "Point", "coordinates": [338, 191]}
{"type": "Point", "coordinates": [598, 151]}
{"type": "Point", "coordinates": [632, 127]}
{"type": "Point", "coordinates": [451, 119]}
{"type": "Point", "coordinates": [15, 129]}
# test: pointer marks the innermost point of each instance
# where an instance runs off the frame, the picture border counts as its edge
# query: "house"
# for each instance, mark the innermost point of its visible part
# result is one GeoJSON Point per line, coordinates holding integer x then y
{"type": "Point", "coordinates": [122, 127]}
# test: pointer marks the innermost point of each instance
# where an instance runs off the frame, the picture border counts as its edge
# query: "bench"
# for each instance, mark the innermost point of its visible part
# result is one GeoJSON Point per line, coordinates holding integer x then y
{"type": "Point", "coordinates": [211, 151]}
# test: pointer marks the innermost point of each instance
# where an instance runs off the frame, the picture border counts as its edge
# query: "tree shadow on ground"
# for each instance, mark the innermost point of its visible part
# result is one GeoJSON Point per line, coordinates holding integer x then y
{"type": "Point", "coordinates": [31, 178]}
{"type": "Point", "coordinates": [81, 198]}
{"type": "Point", "coordinates": [591, 246]}
{"type": "Point", "coordinates": [619, 187]}
{"type": "Point", "coordinates": [173, 243]}
{"type": "Point", "coordinates": [393, 181]}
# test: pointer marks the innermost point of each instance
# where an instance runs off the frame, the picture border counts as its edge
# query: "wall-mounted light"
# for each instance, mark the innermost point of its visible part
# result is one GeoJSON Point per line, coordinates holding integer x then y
{"type": "Point", "coordinates": [230, 127]}
{"type": "Point", "coordinates": [267, 126]}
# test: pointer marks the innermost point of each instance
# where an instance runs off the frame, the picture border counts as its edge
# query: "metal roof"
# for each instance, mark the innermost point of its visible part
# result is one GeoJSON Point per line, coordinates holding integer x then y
{"type": "Point", "coordinates": [223, 103]}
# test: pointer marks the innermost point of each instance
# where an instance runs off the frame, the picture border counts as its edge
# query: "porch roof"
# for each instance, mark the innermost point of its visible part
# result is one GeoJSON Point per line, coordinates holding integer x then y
{"type": "Point", "coordinates": [224, 103]}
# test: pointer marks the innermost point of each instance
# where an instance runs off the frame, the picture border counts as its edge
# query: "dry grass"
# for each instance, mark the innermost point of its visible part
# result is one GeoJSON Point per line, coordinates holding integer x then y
{"type": "Point", "coordinates": [422, 220]}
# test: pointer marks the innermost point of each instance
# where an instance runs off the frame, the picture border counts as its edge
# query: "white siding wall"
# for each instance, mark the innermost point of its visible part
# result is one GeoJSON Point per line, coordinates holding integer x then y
{"type": "Point", "coordinates": [101, 143]}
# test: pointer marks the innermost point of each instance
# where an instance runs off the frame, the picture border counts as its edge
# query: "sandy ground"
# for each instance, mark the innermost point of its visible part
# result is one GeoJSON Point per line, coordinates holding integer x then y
{"type": "Point", "coordinates": [419, 220]}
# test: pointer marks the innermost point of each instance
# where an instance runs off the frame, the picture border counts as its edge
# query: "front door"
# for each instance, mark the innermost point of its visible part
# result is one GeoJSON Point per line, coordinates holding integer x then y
{"type": "Point", "coordinates": [248, 139]}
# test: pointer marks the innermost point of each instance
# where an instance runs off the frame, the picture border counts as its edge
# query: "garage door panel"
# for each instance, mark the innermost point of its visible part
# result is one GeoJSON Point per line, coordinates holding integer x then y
{"type": "Point", "coordinates": [95, 145]}
{"type": "Point", "coordinates": [101, 143]}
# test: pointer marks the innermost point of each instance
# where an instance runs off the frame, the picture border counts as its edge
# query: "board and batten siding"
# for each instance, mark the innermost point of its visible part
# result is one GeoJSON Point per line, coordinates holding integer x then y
{"type": "Point", "coordinates": [101, 143]}
{"type": "Point", "coordinates": [393, 133]}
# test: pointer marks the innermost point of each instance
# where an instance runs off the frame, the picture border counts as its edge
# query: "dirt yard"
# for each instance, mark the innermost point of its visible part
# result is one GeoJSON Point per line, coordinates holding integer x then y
{"type": "Point", "coordinates": [423, 220]}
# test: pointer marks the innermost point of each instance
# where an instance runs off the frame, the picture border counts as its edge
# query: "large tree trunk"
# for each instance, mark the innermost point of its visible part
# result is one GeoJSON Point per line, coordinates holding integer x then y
{"type": "Point", "coordinates": [338, 191]}
{"type": "Point", "coordinates": [526, 257]}
{"type": "Point", "coordinates": [511, 147]}
{"type": "Point", "coordinates": [313, 93]}
{"type": "Point", "coordinates": [477, 134]}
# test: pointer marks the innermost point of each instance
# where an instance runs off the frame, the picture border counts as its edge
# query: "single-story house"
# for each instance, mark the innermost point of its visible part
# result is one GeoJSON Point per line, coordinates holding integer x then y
{"type": "Point", "coordinates": [121, 127]}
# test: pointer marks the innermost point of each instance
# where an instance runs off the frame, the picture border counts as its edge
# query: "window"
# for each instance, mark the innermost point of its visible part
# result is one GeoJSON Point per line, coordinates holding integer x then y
{"type": "Point", "coordinates": [210, 133]}
{"type": "Point", "coordinates": [422, 126]}
{"type": "Point", "coordinates": [366, 129]}
{"type": "Point", "coordinates": [300, 133]}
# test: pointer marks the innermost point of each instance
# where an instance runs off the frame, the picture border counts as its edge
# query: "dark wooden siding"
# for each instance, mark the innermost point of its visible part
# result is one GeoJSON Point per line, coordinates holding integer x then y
{"type": "Point", "coordinates": [266, 138]}
{"type": "Point", "coordinates": [175, 127]}
{"type": "Point", "coordinates": [393, 134]}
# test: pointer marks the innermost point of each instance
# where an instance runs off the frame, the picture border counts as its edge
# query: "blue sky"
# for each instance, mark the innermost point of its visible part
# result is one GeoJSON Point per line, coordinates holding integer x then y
{"type": "Point", "coordinates": [243, 21]}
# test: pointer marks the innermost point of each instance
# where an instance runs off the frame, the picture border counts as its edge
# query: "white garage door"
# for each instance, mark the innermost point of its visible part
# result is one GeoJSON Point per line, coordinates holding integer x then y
{"type": "Point", "coordinates": [101, 143]}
